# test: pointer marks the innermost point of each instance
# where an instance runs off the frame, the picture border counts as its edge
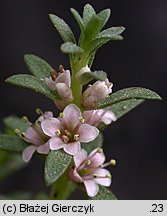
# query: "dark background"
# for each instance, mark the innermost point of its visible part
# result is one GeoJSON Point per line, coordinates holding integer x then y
{"type": "Point", "coordinates": [137, 140]}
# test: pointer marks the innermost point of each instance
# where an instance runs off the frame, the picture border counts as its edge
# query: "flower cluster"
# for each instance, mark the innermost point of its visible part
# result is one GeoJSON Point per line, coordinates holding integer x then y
{"type": "Point", "coordinates": [71, 128]}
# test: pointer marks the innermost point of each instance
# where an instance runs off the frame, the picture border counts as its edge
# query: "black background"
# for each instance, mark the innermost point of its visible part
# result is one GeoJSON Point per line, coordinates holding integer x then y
{"type": "Point", "coordinates": [137, 140]}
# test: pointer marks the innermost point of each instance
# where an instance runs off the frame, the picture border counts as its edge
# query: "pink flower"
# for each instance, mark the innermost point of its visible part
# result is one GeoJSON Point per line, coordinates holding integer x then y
{"type": "Point", "coordinates": [67, 131]}
{"type": "Point", "coordinates": [61, 83]}
{"type": "Point", "coordinates": [90, 171]}
{"type": "Point", "coordinates": [95, 93]}
{"type": "Point", "coordinates": [36, 137]}
{"type": "Point", "coordinates": [94, 117]}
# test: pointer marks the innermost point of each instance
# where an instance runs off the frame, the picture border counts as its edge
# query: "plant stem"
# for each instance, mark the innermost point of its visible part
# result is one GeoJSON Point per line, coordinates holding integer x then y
{"type": "Point", "coordinates": [76, 66]}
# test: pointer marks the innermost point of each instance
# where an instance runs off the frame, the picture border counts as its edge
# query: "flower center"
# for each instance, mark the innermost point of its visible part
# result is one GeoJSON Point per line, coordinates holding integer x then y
{"type": "Point", "coordinates": [67, 136]}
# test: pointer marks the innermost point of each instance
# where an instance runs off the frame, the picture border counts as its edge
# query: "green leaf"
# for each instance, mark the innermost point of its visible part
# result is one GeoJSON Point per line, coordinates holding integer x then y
{"type": "Point", "coordinates": [98, 142]}
{"type": "Point", "coordinates": [104, 15]}
{"type": "Point", "coordinates": [69, 47]}
{"type": "Point", "coordinates": [92, 29]}
{"type": "Point", "coordinates": [38, 66]}
{"type": "Point", "coordinates": [56, 164]}
{"type": "Point", "coordinates": [124, 107]}
{"type": "Point", "coordinates": [78, 19]}
{"type": "Point", "coordinates": [33, 83]}
{"type": "Point", "coordinates": [88, 76]}
{"type": "Point", "coordinates": [91, 57]}
{"type": "Point", "coordinates": [111, 32]}
{"type": "Point", "coordinates": [128, 93]}
{"type": "Point", "coordinates": [14, 122]}
{"type": "Point", "coordinates": [63, 29]}
{"type": "Point", "coordinates": [12, 143]}
{"type": "Point", "coordinates": [104, 194]}
{"type": "Point", "coordinates": [88, 12]}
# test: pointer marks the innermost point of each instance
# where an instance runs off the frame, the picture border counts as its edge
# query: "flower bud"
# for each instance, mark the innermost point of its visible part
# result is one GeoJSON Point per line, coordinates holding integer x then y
{"type": "Point", "coordinates": [95, 93]}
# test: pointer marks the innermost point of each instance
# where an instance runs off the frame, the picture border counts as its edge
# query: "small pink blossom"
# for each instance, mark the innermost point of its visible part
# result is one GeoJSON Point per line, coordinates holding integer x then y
{"type": "Point", "coordinates": [94, 117]}
{"type": "Point", "coordinates": [36, 137]}
{"type": "Point", "coordinates": [90, 171]}
{"type": "Point", "coordinates": [68, 132]}
{"type": "Point", "coordinates": [61, 83]}
{"type": "Point", "coordinates": [95, 93]}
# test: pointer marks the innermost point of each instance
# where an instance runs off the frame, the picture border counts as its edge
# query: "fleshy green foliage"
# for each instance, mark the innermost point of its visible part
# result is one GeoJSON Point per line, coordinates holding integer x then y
{"type": "Point", "coordinates": [37, 66]}
{"type": "Point", "coordinates": [104, 194]}
{"type": "Point", "coordinates": [56, 164]}
{"type": "Point", "coordinates": [81, 53]}
{"type": "Point", "coordinates": [12, 143]}
{"type": "Point", "coordinates": [63, 29]}
{"type": "Point", "coordinates": [123, 107]}
{"type": "Point", "coordinates": [33, 83]}
{"type": "Point", "coordinates": [91, 38]}
{"type": "Point", "coordinates": [98, 142]}
{"type": "Point", "coordinates": [70, 47]}
{"type": "Point", "coordinates": [129, 93]}
{"type": "Point", "coordinates": [87, 77]}
{"type": "Point", "coordinates": [14, 122]}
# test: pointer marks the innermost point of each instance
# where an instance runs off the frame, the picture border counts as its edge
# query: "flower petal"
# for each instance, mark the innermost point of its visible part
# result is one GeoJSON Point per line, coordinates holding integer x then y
{"type": "Point", "coordinates": [71, 116]}
{"type": "Point", "coordinates": [28, 152]}
{"type": "Point", "coordinates": [33, 136]}
{"type": "Point", "coordinates": [64, 91]}
{"type": "Point", "coordinates": [102, 181]}
{"type": "Point", "coordinates": [92, 187]}
{"type": "Point", "coordinates": [50, 126]}
{"type": "Point", "coordinates": [56, 143]}
{"type": "Point", "coordinates": [74, 176]}
{"type": "Point", "coordinates": [46, 115]}
{"type": "Point", "coordinates": [87, 133]}
{"type": "Point", "coordinates": [106, 116]}
{"type": "Point", "coordinates": [80, 157]}
{"type": "Point", "coordinates": [60, 104]}
{"type": "Point", "coordinates": [43, 149]}
{"type": "Point", "coordinates": [94, 119]}
{"type": "Point", "coordinates": [72, 148]}
{"type": "Point", "coordinates": [97, 159]}
{"type": "Point", "coordinates": [64, 77]}
{"type": "Point", "coordinates": [50, 83]}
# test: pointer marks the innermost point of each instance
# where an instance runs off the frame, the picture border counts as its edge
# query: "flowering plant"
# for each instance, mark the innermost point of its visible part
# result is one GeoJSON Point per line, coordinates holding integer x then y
{"type": "Point", "coordinates": [71, 144]}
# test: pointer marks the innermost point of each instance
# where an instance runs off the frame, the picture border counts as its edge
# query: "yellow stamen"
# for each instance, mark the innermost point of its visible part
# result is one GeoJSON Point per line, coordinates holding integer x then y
{"type": "Point", "coordinates": [67, 133]}
{"type": "Point", "coordinates": [82, 120]}
{"type": "Point", "coordinates": [58, 132]}
{"type": "Point", "coordinates": [61, 115]}
{"type": "Point", "coordinates": [22, 134]}
{"type": "Point", "coordinates": [95, 175]}
{"type": "Point", "coordinates": [24, 119]}
{"type": "Point", "coordinates": [113, 162]}
{"type": "Point", "coordinates": [53, 75]}
{"type": "Point", "coordinates": [37, 122]}
{"type": "Point", "coordinates": [100, 150]}
{"type": "Point", "coordinates": [88, 162]}
{"type": "Point", "coordinates": [76, 137]}
{"type": "Point", "coordinates": [65, 138]}
{"type": "Point", "coordinates": [17, 131]}
{"type": "Point", "coordinates": [61, 68]}
{"type": "Point", "coordinates": [38, 111]}
{"type": "Point", "coordinates": [108, 176]}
